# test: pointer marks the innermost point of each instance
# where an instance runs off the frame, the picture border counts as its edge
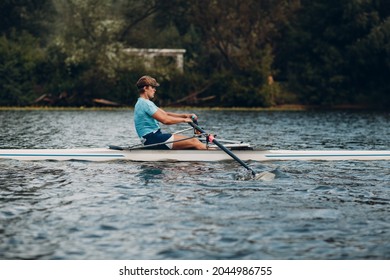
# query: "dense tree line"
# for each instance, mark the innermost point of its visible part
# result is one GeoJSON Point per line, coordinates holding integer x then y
{"type": "Point", "coordinates": [238, 53]}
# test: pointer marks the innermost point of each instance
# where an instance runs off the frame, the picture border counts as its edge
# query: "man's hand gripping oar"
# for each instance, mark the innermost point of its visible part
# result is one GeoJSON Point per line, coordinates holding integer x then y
{"type": "Point", "coordinates": [267, 176]}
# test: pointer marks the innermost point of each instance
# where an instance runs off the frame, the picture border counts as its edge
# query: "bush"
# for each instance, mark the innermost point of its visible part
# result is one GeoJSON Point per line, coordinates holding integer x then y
{"type": "Point", "coordinates": [20, 60]}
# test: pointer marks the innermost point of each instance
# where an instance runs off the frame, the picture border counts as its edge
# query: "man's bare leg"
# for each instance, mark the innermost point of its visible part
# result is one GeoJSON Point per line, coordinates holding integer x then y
{"type": "Point", "coordinates": [192, 143]}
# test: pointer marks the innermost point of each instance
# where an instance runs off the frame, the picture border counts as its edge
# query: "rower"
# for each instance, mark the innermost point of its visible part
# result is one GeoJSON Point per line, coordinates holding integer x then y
{"type": "Point", "coordinates": [147, 117]}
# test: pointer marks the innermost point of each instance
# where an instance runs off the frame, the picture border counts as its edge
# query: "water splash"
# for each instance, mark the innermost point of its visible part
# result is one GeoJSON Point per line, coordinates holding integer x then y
{"type": "Point", "coordinates": [265, 176]}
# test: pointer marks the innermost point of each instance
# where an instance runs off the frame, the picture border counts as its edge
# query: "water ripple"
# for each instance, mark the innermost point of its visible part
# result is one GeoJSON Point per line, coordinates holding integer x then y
{"type": "Point", "coordinates": [128, 210]}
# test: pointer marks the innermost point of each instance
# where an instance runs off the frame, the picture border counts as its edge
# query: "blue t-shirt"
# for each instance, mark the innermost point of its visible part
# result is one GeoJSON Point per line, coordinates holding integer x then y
{"type": "Point", "coordinates": [143, 120]}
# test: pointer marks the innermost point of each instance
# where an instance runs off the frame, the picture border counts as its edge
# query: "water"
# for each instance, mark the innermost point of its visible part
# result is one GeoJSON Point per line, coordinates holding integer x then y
{"type": "Point", "coordinates": [127, 210]}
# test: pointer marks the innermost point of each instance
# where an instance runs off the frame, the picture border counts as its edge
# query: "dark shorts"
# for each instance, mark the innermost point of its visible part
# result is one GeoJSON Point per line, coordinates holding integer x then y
{"type": "Point", "coordinates": [158, 137]}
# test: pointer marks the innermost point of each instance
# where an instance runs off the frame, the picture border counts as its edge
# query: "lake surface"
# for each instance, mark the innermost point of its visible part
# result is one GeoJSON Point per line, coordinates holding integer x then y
{"type": "Point", "coordinates": [128, 210]}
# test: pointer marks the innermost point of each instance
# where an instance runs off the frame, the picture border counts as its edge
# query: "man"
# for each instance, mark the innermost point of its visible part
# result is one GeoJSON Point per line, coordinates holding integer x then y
{"type": "Point", "coordinates": [147, 117]}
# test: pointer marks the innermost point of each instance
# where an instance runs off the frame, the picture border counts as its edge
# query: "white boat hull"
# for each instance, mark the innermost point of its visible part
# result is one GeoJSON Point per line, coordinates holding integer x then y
{"type": "Point", "coordinates": [105, 154]}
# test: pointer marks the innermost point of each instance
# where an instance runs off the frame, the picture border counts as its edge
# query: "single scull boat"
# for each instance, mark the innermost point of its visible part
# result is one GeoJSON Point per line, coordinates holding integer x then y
{"type": "Point", "coordinates": [108, 154]}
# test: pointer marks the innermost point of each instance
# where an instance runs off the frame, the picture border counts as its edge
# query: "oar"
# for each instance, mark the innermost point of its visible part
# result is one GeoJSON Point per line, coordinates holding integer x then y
{"type": "Point", "coordinates": [223, 148]}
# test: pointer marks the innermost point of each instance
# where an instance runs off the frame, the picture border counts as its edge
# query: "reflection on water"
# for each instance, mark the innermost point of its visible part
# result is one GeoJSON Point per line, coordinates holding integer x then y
{"type": "Point", "coordinates": [129, 210]}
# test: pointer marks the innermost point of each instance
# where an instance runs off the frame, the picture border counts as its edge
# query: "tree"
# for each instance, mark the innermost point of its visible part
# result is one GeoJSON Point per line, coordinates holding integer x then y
{"type": "Point", "coordinates": [20, 59]}
{"type": "Point", "coordinates": [32, 16]}
{"type": "Point", "coordinates": [234, 43]}
{"type": "Point", "coordinates": [22, 26]}
{"type": "Point", "coordinates": [336, 51]}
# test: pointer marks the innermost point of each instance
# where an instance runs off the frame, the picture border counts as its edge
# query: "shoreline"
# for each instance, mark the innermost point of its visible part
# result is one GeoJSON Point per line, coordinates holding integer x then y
{"type": "Point", "coordinates": [290, 107]}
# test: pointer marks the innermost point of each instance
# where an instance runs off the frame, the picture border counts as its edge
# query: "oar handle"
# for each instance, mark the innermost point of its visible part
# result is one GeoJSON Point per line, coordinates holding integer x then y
{"type": "Point", "coordinates": [195, 121]}
{"type": "Point", "coordinates": [222, 147]}
{"type": "Point", "coordinates": [197, 127]}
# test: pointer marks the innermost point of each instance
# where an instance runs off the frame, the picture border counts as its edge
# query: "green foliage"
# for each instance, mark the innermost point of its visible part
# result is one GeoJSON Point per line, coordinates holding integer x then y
{"type": "Point", "coordinates": [31, 16]}
{"type": "Point", "coordinates": [337, 52]}
{"type": "Point", "coordinates": [238, 53]}
{"type": "Point", "coordinates": [20, 59]}
{"type": "Point", "coordinates": [231, 45]}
